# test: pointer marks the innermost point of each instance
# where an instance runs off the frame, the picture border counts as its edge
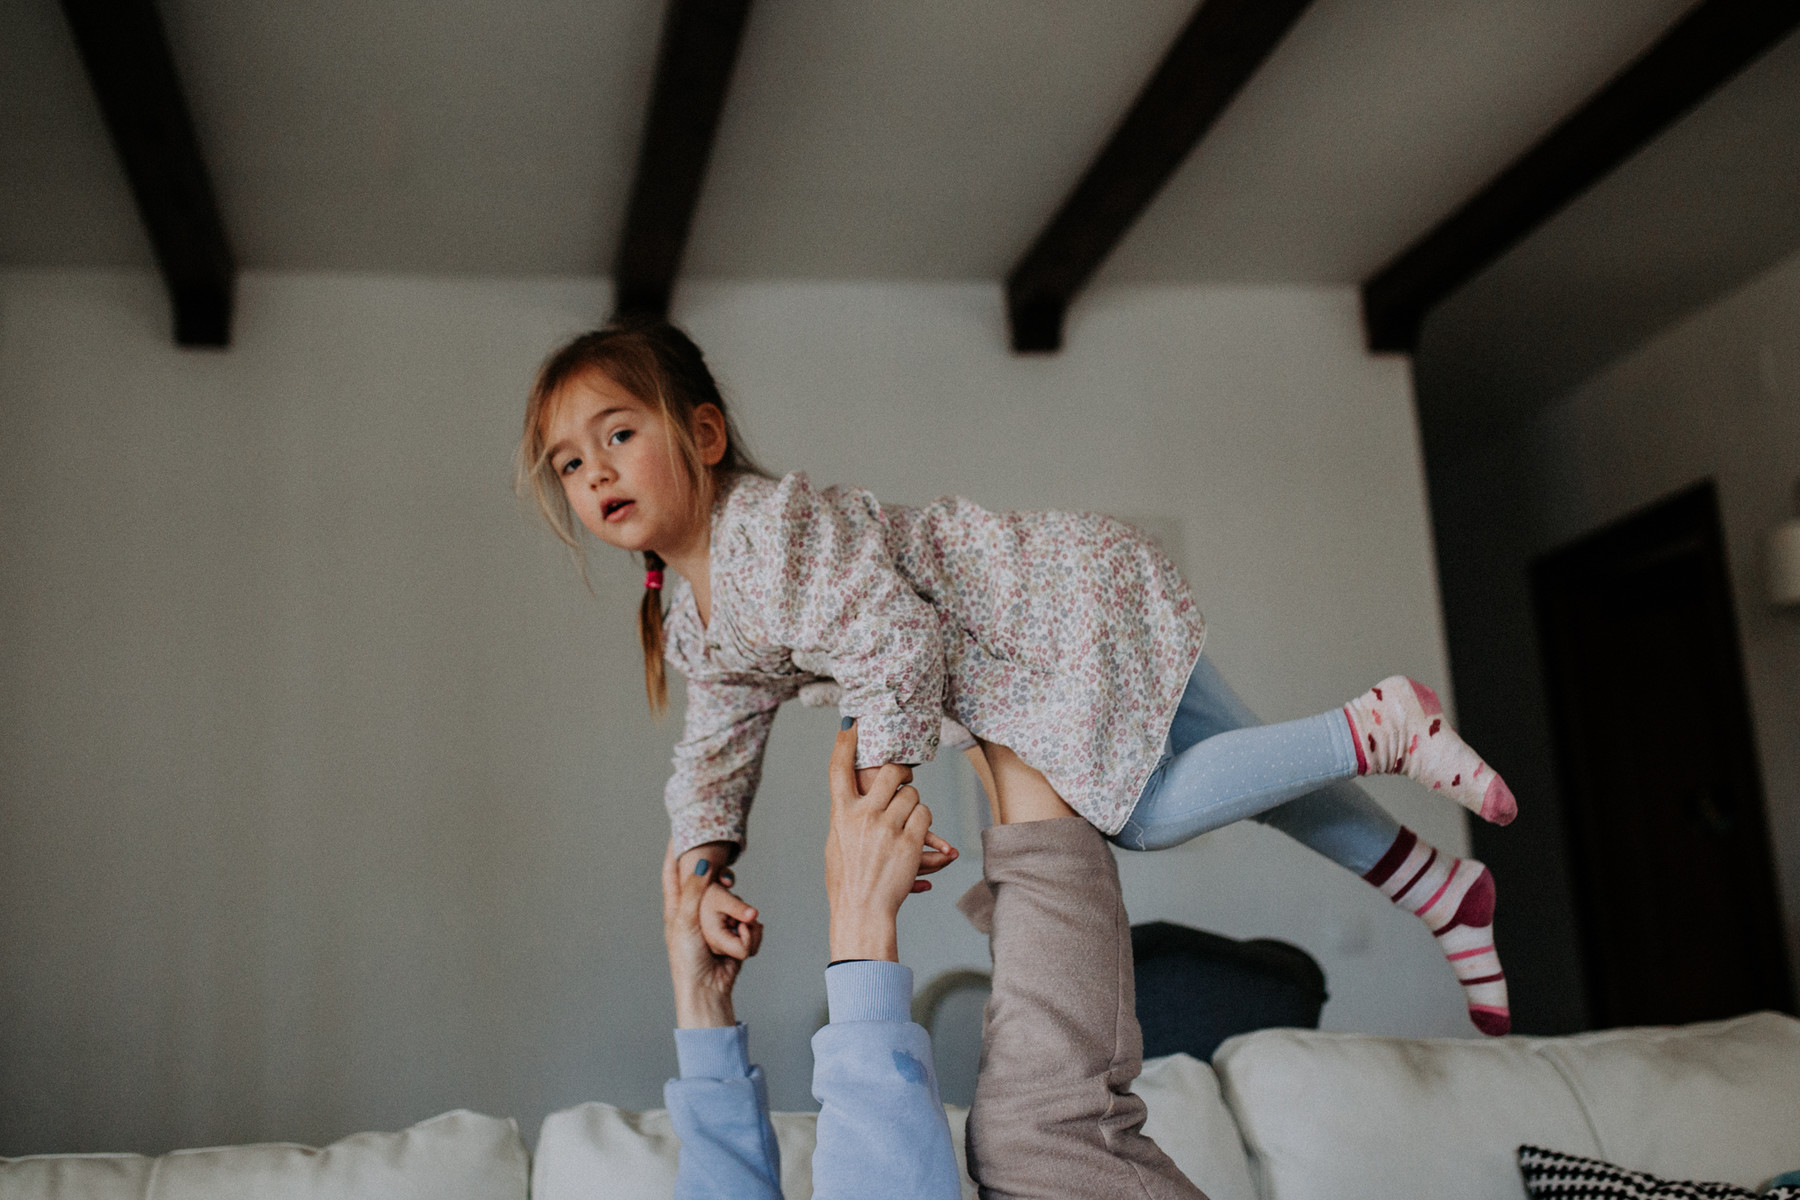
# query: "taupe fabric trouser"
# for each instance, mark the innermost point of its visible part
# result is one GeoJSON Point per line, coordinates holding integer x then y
{"type": "Point", "coordinates": [1054, 1117]}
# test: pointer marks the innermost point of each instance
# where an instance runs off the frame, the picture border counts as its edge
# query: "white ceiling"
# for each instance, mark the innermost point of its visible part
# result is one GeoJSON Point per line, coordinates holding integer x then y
{"type": "Point", "coordinates": [904, 139]}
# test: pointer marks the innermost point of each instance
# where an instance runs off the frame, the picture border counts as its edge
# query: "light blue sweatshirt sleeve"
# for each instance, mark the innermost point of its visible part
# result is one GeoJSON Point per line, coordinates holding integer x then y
{"type": "Point", "coordinates": [720, 1110]}
{"type": "Point", "coordinates": [882, 1132]}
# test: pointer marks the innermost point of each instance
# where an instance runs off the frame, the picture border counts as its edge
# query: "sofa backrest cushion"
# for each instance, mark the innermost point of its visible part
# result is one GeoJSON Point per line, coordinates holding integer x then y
{"type": "Point", "coordinates": [1719, 1101]}
{"type": "Point", "coordinates": [457, 1156]}
{"type": "Point", "coordinates": [1353, 1116]}
{"type": "Point", "coordinates": [1189, 1120]}
{"type": "Point", "coordinates": [597, 1152]}
{"type": "Point", "coordinates": [1349, 1116]}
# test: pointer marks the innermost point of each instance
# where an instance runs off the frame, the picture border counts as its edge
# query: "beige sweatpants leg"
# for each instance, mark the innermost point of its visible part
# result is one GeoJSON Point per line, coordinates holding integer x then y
{"type": "Point", "coordinates": [1054, 1117]}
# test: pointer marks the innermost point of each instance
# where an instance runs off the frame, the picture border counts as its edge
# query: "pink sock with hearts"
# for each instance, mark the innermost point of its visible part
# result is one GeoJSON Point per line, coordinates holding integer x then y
{"type": "Point", "coordinates": [1399, 729]}
{"type": "Point", "coordinates": [1455, 899]}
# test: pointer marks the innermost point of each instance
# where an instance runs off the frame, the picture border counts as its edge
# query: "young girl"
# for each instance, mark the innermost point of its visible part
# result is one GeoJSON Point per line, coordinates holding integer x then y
{"type": "Point", "coordinates": [1065, 642]}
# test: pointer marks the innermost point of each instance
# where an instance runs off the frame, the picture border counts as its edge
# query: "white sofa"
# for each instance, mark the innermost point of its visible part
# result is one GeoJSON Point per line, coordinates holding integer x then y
{"type": "Point", "coordinates": [456, 1156]}
{"type": "Point", "coordinates": [1281, 1115]}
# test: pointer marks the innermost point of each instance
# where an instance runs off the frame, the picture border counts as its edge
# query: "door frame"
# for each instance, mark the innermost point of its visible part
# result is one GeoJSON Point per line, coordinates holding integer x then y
{"type": "Point", "coordinates": [1681, 523]}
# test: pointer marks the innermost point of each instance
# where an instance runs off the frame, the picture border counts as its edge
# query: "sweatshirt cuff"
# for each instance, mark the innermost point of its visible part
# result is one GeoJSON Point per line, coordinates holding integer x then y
{"type": "Point", "coordinates": [869, 991]}
{"type": "Point", "coordinates": [718, 1053]}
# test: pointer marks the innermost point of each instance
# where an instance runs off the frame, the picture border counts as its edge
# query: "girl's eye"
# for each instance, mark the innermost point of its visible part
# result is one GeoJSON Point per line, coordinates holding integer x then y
{"type": "Point", "coordinates": [569, 467]}
{"type": "Point", "coordinates": [619, 437]}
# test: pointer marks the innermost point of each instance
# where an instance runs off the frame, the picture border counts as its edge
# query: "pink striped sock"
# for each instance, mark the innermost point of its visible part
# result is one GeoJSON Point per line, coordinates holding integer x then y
{"type": "Point", "coordinates": [1455, 899]}
{"type": "Point", "coordinates": [1399, 729]}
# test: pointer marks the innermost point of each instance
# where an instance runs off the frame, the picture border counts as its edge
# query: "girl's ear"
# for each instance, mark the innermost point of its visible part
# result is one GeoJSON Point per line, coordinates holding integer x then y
{"type": "Point", "coordinates": [709, 434]}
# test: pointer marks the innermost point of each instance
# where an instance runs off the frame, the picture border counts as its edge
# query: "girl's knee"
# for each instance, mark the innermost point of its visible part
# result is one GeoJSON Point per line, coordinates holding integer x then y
{"type": "Point", "coordinates": [1137, 838]}
{"type": "Point", "coordinates": [1129, 838]}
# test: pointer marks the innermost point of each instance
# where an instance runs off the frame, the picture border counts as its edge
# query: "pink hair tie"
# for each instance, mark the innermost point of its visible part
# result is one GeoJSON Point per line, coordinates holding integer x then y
{"type": "Point", "coordinates": [653, 579]}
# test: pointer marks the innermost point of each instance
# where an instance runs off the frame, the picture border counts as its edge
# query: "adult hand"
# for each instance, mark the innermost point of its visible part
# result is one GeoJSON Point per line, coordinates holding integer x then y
{"type": "Point", "coordinates": [875, 854]}
{"type": "Point", "coordinates": [933, 858]}
{"type": "Point", "coordinates": [703, 976]}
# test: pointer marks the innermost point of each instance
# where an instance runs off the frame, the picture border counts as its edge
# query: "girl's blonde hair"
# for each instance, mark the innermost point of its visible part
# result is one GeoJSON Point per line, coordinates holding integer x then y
{"type": "Point", "coordinates": [660, 365]}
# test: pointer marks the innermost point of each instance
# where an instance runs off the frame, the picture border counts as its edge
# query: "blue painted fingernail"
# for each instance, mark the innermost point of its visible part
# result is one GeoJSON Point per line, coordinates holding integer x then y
{"type": "Point", "coordinates": [846, 723]}
{"type": "Point", "coordinates": [702, 867]}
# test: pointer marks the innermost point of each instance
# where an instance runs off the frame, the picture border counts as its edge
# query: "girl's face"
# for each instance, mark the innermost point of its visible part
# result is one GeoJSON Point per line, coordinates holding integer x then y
{"type": "Point", "coordinates": [621, 469]}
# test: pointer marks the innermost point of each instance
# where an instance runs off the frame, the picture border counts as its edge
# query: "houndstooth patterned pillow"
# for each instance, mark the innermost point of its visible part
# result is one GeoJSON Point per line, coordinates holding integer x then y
{"type": "Point", "coordinates": [1553, 1176]}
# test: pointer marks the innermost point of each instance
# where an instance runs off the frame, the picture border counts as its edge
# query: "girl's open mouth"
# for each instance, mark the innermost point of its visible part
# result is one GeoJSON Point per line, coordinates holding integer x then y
{"type": "Point", "coordinates": [613, 508]}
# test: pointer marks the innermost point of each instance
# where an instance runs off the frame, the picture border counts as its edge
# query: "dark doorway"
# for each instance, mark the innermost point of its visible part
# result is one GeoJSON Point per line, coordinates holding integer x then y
{"type": "Point", "coordinates": [1674, 882]}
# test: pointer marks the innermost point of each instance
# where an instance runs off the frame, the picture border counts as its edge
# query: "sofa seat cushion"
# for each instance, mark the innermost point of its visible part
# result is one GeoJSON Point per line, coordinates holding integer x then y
{"type": "Point", "coordinates": [1351, 1115]}
{"type": "Point", "coordinates": [457, 1156]}
{"type": "Point", "coordinates": [597, 1152]}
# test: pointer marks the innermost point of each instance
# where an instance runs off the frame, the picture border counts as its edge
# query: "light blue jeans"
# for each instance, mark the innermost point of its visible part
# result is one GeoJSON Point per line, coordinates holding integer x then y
{"type": "Point", "coordinates": [1221, 764]}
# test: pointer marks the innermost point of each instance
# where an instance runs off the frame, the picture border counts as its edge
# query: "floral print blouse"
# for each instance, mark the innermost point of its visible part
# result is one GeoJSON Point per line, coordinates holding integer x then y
{"type": "Point", "coordinates": [1067, 637]}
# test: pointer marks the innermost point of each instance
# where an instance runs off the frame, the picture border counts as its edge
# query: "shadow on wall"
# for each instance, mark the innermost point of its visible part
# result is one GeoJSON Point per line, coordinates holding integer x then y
{"type": "Point", "coordinates": [1714, 396]}
{"type": "Point", "coordinates": [1484, 542]}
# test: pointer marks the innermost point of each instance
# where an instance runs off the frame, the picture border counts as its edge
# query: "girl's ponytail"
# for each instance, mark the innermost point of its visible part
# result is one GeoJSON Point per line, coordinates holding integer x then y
{"type": "Point", "coordinates": [650, 633]}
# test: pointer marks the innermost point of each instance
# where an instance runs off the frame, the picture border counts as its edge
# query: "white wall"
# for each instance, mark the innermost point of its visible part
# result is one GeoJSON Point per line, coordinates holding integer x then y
{"type": "Point", "coordinates": [1717, 395]}
{"type": "Point", "coordinates": [329, 798]}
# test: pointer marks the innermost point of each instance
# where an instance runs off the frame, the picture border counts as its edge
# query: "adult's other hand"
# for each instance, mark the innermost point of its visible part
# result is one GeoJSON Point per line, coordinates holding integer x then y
{"type": "Point", "coordinates": [702, 976]}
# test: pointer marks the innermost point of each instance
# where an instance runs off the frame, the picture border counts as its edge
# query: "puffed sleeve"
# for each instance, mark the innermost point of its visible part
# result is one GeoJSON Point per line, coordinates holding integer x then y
{"type": "Point", "coordinates": [831, 589]}
{"type": "Point", "coordinates": [719, 760]}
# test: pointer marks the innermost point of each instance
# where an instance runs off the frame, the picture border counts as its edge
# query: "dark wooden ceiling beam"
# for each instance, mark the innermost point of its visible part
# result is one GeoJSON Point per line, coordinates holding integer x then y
{"type": "Point", "coordinates": [1704, 49]}
{"type": "Point", "coordinates": [126, 53]}
{"type": "Point", "coordinates": [700, 41]}
{"type": "Point", "coordinates": [1223, 44]}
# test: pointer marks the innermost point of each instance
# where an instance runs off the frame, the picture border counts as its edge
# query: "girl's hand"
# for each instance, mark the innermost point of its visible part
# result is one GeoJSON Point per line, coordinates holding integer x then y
{"type": "Point", "coordinates": [866, 776]}
{"type": "Point", "coordinates": [730, 926]}
{"type": "Point", "coordinates": [702, 976]}
{"type": "Point", "coordinates": [936, 855]}
{"type": "Point", "coordinates": [719, 915]}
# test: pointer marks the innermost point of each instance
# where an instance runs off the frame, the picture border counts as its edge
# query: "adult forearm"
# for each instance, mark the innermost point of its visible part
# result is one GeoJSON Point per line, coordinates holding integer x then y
{"type": "Point", "coordinates": [720, 1109]}
{"type": "Point", "coordinates": [858, 936]}
{"type": "Point", "coordinates": [882, 1131]}
{"type": "Point", "coordinates": [703, 1008]}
